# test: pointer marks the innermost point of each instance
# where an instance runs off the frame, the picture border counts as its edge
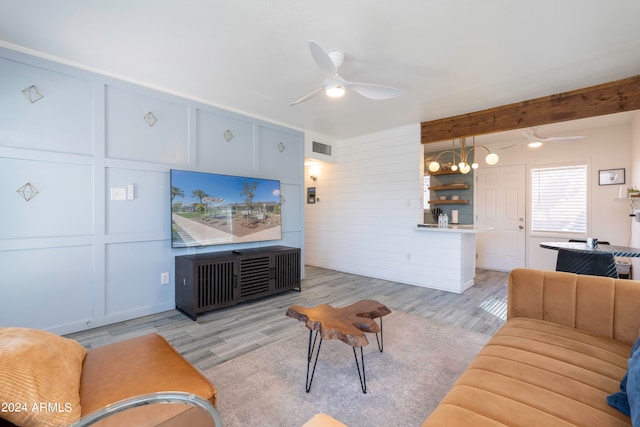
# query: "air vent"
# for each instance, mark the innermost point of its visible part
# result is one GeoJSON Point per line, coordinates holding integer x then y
{"type": "Point", "coordinates": [319, 147]}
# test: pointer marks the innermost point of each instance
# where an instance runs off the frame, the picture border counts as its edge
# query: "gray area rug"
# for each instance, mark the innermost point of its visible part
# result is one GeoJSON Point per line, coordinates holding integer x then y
{"type": "Point", "coordinates": [421, 361]}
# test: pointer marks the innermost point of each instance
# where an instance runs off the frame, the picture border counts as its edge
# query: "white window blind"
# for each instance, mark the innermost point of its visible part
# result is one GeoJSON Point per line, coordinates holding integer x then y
{"type": "Point", "coordinates": [559, 199]}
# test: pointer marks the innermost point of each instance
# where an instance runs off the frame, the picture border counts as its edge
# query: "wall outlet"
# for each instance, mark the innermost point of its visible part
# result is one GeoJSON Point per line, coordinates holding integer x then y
{"type": "Point", "coordinates": [164, 278]}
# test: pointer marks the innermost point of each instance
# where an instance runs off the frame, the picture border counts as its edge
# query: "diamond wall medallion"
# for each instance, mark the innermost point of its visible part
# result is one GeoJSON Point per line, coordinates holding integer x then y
{"type": "Point", "coordinates": [27, 191]}
{"type": "Point", "coordinates": [228, 135]}
{"type": "Point", "coordinates": [32, 93]}
{"type": "Point", "coordinates": [281, 147]}
{"type": "Point", "coordinates": [150, 119]}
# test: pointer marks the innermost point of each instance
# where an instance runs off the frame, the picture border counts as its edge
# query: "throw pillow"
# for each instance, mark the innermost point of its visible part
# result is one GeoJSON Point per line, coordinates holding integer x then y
{"type": "Point", "coordinates": [620, 399]}
{"type": "Point", "coordinates": [633, 388]}
{"type": "Point", "coordinates": [39, 378]}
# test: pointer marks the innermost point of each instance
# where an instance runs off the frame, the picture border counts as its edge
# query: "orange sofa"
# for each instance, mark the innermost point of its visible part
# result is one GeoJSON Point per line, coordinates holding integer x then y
{"type": "Point", "coordinates": [563, 350]}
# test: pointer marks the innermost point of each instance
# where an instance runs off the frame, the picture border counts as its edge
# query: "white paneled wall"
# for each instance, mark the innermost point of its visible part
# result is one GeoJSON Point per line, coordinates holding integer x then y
{"type": "Point", "coordinates": [72, 257]}
{"type": "Point", "coordinates": [369, 205]}
{"type": "Point", "coordinates": [367, 202]}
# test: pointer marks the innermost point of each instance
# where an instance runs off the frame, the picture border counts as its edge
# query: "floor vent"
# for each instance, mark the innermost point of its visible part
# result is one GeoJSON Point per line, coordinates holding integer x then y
{"type": "Point", "coordinates": [319, 147]}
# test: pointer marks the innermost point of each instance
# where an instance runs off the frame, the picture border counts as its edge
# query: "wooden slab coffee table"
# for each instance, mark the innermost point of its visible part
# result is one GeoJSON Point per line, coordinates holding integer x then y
{"type": "Point", "coordinates": [348, 324]}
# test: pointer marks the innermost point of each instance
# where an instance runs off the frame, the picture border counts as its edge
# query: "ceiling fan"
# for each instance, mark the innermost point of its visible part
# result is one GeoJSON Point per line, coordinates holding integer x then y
{"type": "Point", "coordinates": [334, 85]}
{"type": "Point", "coordinates": [534, 140]}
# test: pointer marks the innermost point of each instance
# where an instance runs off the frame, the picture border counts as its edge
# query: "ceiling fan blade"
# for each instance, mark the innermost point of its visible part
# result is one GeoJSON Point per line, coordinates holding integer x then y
{"type": "Point", "coordinates": [307, 96]}
{"type": "Point", "coordinates": [563, 138]}
{"type": "Point", "coordinates": [533, 137]}
{"type": "Point", "coordinates": [322, 59]}
{"type": "Point", "coordinates": [376, 92]}
{"type": "Point", "coordinates": [512, 145]}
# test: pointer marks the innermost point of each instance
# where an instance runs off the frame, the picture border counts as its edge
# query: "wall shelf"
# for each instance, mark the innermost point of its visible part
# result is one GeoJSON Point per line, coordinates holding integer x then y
{"type": "Point", "coordinates": [450, 187]}
{"type": "Point", "coordinates": [447, 172]}
{"type": "Point", "coordinates": [448, 202]}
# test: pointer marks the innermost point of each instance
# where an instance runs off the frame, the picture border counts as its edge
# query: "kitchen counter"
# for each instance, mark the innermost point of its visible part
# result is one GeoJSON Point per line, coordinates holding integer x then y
{"type": "Point", "coordinates": [449, 261]}
{"type": "Point", "coordinates": [456, 228]}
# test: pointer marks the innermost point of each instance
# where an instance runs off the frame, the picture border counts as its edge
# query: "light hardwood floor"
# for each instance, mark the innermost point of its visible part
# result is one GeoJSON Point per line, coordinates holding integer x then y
{"type": "Point", "coordinates": [221, 335]}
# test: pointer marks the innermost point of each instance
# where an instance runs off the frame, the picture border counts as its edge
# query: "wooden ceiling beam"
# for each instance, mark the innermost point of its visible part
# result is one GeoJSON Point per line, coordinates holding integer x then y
{"type": "Point", "coordinates": [607, 98]}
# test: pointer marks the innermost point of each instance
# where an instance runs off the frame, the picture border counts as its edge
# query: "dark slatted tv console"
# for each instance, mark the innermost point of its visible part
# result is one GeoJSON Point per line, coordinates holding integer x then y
{"type": "Point", "coordinates": [214, 280]}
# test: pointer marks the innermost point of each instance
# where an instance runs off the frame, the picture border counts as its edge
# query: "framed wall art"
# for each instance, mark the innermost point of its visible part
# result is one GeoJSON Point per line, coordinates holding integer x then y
{"type": "Point", "coordinates": [611, 177]}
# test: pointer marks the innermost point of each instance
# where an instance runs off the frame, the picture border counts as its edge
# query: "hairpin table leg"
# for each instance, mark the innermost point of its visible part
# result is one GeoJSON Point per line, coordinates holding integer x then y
{"type": "Point", "coordinates": [381, 340]}
{"type": "Point", "coordinates": [363, 377]}
{"type": "Point", "coordinates": [310, 356]}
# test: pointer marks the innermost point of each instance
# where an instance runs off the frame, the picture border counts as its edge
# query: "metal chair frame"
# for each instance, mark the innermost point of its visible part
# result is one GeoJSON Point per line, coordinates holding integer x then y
{"type": "Point", "coordinates": [149, 399]}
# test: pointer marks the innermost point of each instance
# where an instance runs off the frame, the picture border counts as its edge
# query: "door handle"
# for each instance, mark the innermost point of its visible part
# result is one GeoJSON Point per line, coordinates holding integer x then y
{"type": "Point", "coordinates": [521, 227]}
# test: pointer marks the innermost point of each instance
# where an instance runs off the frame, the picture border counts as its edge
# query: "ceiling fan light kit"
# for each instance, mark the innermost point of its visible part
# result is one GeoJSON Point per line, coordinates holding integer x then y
{"type": "Point", "coordinates": [335, 91]}
{"type": "Point", "coordinates": [334, 85]}
{"type": "Point", "coordinates": [462, 157]}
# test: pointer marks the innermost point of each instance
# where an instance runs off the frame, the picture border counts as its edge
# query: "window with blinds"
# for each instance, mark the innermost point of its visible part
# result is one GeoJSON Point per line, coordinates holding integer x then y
{"type": "Point", "coordinates": [559, 199]}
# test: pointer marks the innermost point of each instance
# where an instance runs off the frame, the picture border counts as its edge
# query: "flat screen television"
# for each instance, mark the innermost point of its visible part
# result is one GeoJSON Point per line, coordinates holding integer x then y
{"type": "Point", "coordinates": [212, 209]}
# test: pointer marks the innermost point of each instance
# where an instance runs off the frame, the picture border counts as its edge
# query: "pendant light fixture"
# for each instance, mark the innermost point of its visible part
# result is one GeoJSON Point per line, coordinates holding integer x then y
{"type": "Point", "coordinates": [461, 158]}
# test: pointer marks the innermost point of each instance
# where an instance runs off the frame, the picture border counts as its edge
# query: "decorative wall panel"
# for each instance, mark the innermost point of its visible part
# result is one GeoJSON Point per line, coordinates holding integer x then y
{"type": "Point", "coordinates": [292, 207]}
{"type": "Point", "coordinates": [60, 121]}
{"type": "Point", "coordinates": [224, 144]}
{"type": "Point", "coordinates": [148, 209]}
{"type": "Point", "coordinates": [277, 148]}
{"type": "Point", "coordinates": [133, 278]}
{"type": "Point", "coordinates": [62, 207]}
{"type": "Point", "coordinates": [133, 134]}
{"type": "Point", "coordinates": [40, 289]}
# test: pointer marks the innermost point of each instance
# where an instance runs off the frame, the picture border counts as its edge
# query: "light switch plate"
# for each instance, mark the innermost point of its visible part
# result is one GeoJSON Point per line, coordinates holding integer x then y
{"type": "Point", "coordinates": [118, 193]}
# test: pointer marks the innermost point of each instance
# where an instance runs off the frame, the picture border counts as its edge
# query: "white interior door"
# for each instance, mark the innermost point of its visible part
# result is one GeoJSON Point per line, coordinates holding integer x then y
{"type": "Point", "coordinates": [500, 204]}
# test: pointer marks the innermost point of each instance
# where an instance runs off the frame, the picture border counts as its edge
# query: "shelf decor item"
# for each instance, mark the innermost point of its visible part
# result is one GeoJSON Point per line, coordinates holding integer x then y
{"type": "Point", "coordinates": [611, 177]}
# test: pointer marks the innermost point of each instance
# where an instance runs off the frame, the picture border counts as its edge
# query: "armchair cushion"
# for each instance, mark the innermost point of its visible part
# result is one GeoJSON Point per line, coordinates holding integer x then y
{"type": "Point", "coordinates": [39, 377]}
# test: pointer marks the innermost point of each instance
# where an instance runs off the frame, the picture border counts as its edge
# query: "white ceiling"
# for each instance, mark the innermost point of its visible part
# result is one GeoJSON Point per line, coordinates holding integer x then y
{"type": "Point", "coordinates": [449, 56]}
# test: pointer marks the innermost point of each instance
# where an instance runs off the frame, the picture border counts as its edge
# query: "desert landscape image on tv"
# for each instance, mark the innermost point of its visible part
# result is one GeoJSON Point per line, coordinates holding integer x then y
{"type": "Point", "coordinates": [212, 209]}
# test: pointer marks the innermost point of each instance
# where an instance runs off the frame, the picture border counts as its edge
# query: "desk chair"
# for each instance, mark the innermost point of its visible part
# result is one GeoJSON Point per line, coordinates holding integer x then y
{"type": "Point", "coordinates": [623, 265]}
{"type": "Point", "coordinates": [591, 263]}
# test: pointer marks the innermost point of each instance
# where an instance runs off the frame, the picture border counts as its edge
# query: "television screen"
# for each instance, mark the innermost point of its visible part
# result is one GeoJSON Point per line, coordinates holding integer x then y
{"type": "Point", "coordinates": [211, 209]}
